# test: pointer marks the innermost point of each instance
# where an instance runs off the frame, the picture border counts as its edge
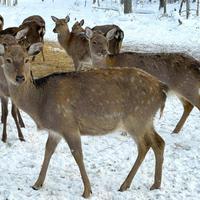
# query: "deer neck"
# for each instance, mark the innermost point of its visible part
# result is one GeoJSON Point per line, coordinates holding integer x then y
{"type": "Point", "coordinates": [27, 97]}
{"type": "Point", "coordinates": [63, 37]}
{"type": "Point", "coordinates": [98, 61]}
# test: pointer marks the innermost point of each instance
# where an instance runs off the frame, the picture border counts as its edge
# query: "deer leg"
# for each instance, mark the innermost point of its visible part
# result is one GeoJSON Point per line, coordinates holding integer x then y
{"type": "Point", "coordinates": [20, 119]}
{"type": "Point", "coordinates": [143, 148]}
{"type": "Point", "coordinates": [158, 145]}
{"type": "Point", "coordinates": [187, 109]}
{"type": "Point", "coordinates": [2, 111]}
{"type": "Point", "coordinates": [14, 115]}
{"type": "Point", "coordinates": [51, 145]}
{"type": "Point", "coordinates": [4, 106]}
{"type": "Point", "coordinates": [76, 150]}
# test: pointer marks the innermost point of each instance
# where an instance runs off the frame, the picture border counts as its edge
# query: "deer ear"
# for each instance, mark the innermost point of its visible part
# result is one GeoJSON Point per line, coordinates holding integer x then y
{"type": "Point", "coordinates": [35, 48]}
{"type": "Point", "coordinates": [67, 19]}
{"type": "Point", "coordinates": [2, 50]}
{"type": "Point", "coordinates": [88, 32]}
{"type": "Point", "coordinates": [82, 22]}
{"type": "Point", "coordinates": [55, 19]}
{"type": "Point", "coordinates": [22, 33]}
{"type": "Point", "coordinates": [111, 34]}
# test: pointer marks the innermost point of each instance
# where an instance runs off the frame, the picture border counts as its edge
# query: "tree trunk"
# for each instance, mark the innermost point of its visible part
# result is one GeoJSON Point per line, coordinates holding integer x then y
{"type": "Point", "coordinates": [127, 6]}
{"type": "Point", "coordinates": [187, 8]}
{"type": "Point", "coordinates": [197, 7]}
{"type": "Point", "coordinates": [122, 2]}
{"type": "Point", "coordinates": [163, 4]}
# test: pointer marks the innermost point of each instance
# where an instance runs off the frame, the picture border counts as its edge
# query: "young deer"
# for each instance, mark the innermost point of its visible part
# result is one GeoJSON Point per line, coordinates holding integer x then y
{"type": "Point", "coordinates": [75, 45]}
{"type": "Point", "coordinates": [35, 32]}
{"type": "Point", "coordinates": [4, 95]}
{"type": "Point", "coordinates": [114, 43]}
{"type": "Point", "coordinates": [77, 27]}
{"type": "Point", "coordinates": [180, 72]}
{"type": "Point", "coordinates": [93, 102]}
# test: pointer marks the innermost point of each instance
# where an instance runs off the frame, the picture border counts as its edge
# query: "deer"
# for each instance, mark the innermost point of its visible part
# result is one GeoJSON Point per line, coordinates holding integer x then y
{"type": "Point", "coordinates": [36, 29]}
{"type": "Point", "coordinates": [77, 27]}
{"type": "Point", "coordinates": [75, 45]}
{"type": "Point", "coordinates": [114, 44]}
{"type": "Point", "coordinates": [179, 71]}
{"type": "Point", "coordinates": [4, 95]}
{"type": "Point", "coordinates": [129, 100]}
{"type": "Point", "coordinates": [33, 36]}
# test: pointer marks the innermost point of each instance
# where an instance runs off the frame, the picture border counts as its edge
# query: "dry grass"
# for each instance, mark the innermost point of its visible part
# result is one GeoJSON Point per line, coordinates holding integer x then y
{"type": "Point", "coordinates": [56, 60]}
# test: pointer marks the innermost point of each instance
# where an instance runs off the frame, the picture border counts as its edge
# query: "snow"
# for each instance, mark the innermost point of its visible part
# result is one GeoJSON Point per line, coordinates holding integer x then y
{"type": "Point", "coordinates": [108, 159]}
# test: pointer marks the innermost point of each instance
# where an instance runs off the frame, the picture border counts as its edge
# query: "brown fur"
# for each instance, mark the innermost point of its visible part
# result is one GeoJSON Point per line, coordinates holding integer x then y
{"type": "Point", "coordinates": [4, 95]}
{"type": "Point", "coordinates": [76, 46]}
{"type": "Point", "coordinates": [77, 27]}
{"type": "Point", "coordinates": [114, 45]}
{"type": "Point", "coordinates": [179, 71]}
{"type": "Point", "coordinates": [93, 102]}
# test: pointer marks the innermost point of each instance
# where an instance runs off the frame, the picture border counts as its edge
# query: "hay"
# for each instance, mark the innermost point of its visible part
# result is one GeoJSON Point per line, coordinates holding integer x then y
{"type": "Point", "coordinates": [56, 60]}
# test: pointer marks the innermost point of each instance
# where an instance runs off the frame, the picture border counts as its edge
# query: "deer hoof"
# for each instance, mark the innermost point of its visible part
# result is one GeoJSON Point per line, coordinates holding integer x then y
{"type": "Point", "coordinates": [36, 187]}
{"type": "Point", "coordinates": [87, 193]}
{"type": "Point", "coordinates": [124, 187]}
{"type": "Point", "coordinates": [155, 186]}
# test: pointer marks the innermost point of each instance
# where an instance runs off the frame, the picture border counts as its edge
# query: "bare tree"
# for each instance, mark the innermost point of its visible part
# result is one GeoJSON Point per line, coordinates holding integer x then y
{"type": "Point", "coordinates": [187, 7]}
{"type": "Point", "coordinates": [94, 1]}
{"type": "Point", "coordinates": [197, 7]}
{"type": "Point", "coordinates": [163, 4]}
{"type": "Point", "coordinates": [128, 6]}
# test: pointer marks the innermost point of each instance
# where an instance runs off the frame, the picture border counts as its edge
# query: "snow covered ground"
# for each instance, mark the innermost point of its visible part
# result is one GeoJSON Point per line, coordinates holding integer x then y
{"type": "Point", "coordinates": [108, 159]}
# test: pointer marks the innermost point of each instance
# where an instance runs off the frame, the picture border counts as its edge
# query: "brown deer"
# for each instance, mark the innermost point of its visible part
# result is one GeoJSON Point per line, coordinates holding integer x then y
{"type": "Point", "coordinates": [180, 72]}
{"type": "Point", "coordinates": [76, 46]}
{"type": "Point", "coordinates": [93, 102]}
{"type": "Point", "coordinates": [77, 27]}
{"type": "Point", "coordinates": [35, 32]}
{"type": "Point", "coordinates": [114, 43]}
{"type": "Point", "coordinates": [4, 95]}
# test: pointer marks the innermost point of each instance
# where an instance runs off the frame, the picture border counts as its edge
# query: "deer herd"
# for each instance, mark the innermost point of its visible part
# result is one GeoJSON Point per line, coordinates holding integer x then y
{"type": "Point", "coordinates": [108, 90]}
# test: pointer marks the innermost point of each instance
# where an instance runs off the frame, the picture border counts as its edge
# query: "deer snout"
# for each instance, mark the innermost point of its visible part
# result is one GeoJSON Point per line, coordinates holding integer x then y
{"type": "Point", "coordinates": [20, 78]}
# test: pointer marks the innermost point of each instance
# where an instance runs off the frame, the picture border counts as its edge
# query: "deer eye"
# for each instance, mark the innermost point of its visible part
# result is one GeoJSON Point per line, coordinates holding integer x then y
{"type": "Point", "coordinates": [94, 42]}
{"type": "Point", "coordinates": [8, 60]}
{"type": "Point", "coordinates": [26, 60]}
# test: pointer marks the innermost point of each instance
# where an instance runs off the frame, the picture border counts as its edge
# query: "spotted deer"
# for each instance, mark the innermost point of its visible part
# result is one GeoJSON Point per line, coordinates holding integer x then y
{"type": "Point", "coordinates": [179, 71]}
{"type": "Point", "coordinates": [129, 100]}
{"type": "Point", "coordinates": [4, 95]}
{"type": "Point", "coordinates": [75, 45]}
